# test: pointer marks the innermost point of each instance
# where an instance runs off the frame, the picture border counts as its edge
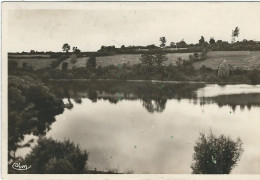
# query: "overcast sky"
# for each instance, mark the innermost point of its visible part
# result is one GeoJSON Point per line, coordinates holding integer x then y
{"type": "Point", "coordinates": [90, 27]}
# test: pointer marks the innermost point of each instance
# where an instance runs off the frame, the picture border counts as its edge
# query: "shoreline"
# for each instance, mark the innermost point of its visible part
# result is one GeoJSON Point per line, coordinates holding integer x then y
{"type": "Point", "coordinates": [152, 81]}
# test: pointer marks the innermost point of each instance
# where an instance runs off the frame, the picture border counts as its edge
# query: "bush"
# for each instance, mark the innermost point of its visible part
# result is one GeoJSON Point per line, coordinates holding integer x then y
{"type": "Point", "coordinates": [205, 69]}
{"type": "Point", "coordinates": [24, 65]}
{"type": "Point", "coordinates": [31, 110]}
{"type": "Point", "coordinates": [64, 66]}
{"type": "Point", "coordinates": [70, 76]}
{"type": "Point", "coordinates": [196, 56]}
{"type": "Point", "coordinates": [12, 65]}
{"type": "Point", "coordinates": [55, 157]}
{"type": "Point", "coordinates": [45, 76]}
{"type": "Point", "coordinates": [91, 63]}
{"type": "Point", "coordinates": [253, 76]}
{"type": "Point", "coordinates": [215, 155]}
{"type": "Point", "coordinates": [56, 63]}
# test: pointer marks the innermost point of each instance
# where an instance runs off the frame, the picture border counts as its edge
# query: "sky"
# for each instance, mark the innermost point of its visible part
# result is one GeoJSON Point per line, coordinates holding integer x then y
{"type": "Point", "coordinates": [91, 25]}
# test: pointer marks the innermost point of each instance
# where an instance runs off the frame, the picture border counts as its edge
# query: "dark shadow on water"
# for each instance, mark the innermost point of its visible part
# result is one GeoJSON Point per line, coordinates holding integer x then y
{"type": "Point", "coordinates": [154, 96]}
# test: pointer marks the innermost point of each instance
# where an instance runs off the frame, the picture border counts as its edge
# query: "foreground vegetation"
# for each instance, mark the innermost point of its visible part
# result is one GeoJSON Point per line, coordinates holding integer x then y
{"type": "Point", "coordinates": [216, 155]}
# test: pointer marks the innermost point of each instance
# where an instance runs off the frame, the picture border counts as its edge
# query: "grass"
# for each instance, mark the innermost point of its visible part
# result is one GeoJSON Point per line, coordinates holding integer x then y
{"type": "Point", "coordinates": [243, 59]}
{"type": "Point", "coordinates": [36, 63]}
{"type": "Point", "coordinates": [29, 55]}
{"type": "Point", "coordinates": [120, 59]}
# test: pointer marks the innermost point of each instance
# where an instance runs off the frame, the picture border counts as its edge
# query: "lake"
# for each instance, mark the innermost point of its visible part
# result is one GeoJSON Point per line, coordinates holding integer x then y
{"type": "Point", "coordinates": [152, 127]}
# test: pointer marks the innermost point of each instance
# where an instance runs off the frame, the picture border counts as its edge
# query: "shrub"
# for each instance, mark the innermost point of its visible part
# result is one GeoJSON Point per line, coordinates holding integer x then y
{"type": "Point", "coordinates": [31, 110]}
{"type": "Point", "coordinates": [24, 65]}
{"type": "Point", "coordinates": [70, 76]}
{"type": "Point", "coordinates": [91, 63]}
{"type": "Point", "coordinates": [191, 58]}
{"type": "Point", "coordinates": [55, 157]}
{"type": "Point", "coordinates": [56, 63]}
{"type": "Point", "coordinates": [253, 76]}
{"type": "Point", "coordinates": [196, 56]}
{"type": "Point", "coordinates": [64, 66]}
{"type": "Point", "coordinates": [215, 155]}
{"type": "Point", "coordinates": [12, 65]}
{"type": "Point", "coordinates": [45, 76]}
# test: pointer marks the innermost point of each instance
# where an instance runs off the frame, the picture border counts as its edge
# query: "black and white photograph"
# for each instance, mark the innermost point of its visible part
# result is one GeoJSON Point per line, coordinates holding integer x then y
{"type": "Point", "coordinates": [125, 88]}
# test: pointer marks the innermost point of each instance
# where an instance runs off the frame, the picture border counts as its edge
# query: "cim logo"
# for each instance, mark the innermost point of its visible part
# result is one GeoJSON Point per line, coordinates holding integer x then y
{"type": "Point", "coordinates": [18, 166]}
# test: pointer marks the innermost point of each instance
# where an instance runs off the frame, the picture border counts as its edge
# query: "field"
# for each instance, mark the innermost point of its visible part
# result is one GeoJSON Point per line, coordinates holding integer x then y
{"type": "Point", "coordinates": [119, 59]}
{"type": "Point", "coordinates": [29, 55]}
{"type": "Point", "coordinates": [243, 59]}
{"type": "Point", "coordinates": [36, 63]}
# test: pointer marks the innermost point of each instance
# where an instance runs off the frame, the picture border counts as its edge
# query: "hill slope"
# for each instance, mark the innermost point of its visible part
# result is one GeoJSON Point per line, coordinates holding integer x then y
{"type": "Point", "coordinates": [243, 59]}
{"type": "Point", "coordinates": [119, 59]}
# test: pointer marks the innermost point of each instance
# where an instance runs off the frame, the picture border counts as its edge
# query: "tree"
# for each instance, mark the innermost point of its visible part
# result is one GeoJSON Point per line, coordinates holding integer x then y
{"type": "Point", "coordinates": [196, 56]}
{"type": "Point", "coordinates": [235, 34]}
{"type": "Point", "coordinates": [73, 59]}
{"type": "Point", "coordinates": [172, 44]}
{"type": "Point", "coordinates": [70, 76]}
{"type": "Point", "coordinates": [163, 41]}
{"type": "Point", "coordinates": [12, 65]}
{"type": "Point", "coordinates": [66, 47]}
{"type": "Point", "coordinates": [212, 40]}
{"type": "Point", "coordinates": [91, 63]}
{"type": "Point", "coordinates": [45, 76]}
{"type": "Point", "coordinates": [31, 110]}
{"type": "Point", "coordinates": [201, 41]}
{"type": "Point", "coordinates": [24, 65]}
{"type": "Point", "coordinates": [159, 60]}
{"type": "Point", "coordinates": [146, 61]}
{"type": "Point", "coordinates": [181, 44]}
{"type": "Point", "coordinates": [223, 69]}
{"type": "Point", "coordinates": [76, 50]}
{"type": "Point", "coordinates": [253, 76]}
{"type": "Point", "coordinates": [64, 66]}
{"type": "Point", "coordinates": [215, 155]}
{"type": "Point", "coordinates": [54, 157]}
{"type": "Point", "coordinates": [179, 63]}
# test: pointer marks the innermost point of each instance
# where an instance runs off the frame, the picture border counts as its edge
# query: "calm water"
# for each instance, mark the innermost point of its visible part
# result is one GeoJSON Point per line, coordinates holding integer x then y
{"type": "Point", "coordinates": [152, 127]}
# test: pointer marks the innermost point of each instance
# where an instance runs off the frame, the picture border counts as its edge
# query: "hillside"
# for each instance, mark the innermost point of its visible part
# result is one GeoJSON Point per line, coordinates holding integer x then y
{"type": "Point", "coordinates": [120, 59]}
{"type": "Point", "coordinates": [36, 63]}
{"type": "Point", "coordinates": [242, 59]}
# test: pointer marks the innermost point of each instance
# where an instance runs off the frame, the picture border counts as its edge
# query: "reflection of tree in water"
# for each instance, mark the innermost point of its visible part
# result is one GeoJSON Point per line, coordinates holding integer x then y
{"type": "Point", "coordinates": [66, 94]}
{"type": "Point", "coordinates": [31, 110]}
{"type": "Point", "coordinates": [92, 95]}
{"type": "Point", "coordinates": [77, 100]}
{"type": "Point", "coordinates": [234, 100]}
{"type": "Point", "coordinates": [157, 106]}
{"type": "Point", "coordinates": [158, 93]}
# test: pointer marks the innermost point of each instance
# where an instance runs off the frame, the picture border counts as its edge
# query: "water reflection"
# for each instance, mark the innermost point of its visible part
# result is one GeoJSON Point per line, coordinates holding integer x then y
{"type": "Point", "coordinates": [154, 96]}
